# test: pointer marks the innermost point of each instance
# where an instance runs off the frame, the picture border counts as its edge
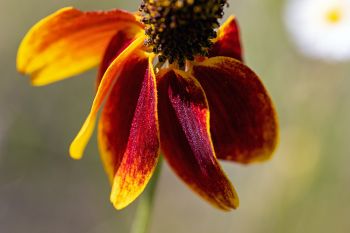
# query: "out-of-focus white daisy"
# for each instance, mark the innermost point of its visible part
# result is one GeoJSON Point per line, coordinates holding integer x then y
{"type": "Point", "coordinates": [320, 28]}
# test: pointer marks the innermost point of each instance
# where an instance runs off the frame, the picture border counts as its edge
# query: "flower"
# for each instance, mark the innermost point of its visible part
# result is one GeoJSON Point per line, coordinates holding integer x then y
{"type": "Point", "coordinates": [320, 28]}
{"type": "Point", "coordinates": [167, 106]}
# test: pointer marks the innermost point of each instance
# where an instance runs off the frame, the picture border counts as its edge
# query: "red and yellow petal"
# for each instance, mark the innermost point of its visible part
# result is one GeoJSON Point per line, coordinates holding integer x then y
{"type": "Point", "coordinates": [228, 42]}
{"type": "Point", "coordinates": [128, 132]}
{"type": "Point", "coordinates": [69, 42]}
{"type": "Point", "coordinates": [119, 42]}
{"type": "Point", "coordinates": [128, 58]}
{"type": "Point", "coordinates": [186, 141]}
{"type": "Point", "coordinates": [243, 121]}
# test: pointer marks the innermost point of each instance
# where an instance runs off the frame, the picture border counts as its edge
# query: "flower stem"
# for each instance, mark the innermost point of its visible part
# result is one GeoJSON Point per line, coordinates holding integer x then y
{"type": "Point", "coordinates": [144, 209]}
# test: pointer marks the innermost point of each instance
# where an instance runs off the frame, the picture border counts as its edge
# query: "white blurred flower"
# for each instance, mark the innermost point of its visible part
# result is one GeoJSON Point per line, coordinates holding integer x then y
{"type": "Point", "coordinates": [320, 28]}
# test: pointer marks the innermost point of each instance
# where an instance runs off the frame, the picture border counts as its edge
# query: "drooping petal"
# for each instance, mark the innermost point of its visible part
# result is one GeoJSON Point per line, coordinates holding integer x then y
{"type": "Point", "coordinates": [128, 133]}
{"type": "Point", "coordinates": [124, 63]}
{"type": "Point", "coordinates": [69, 42]}
{"type": "Point", "coordinates": [119, 42]}
{"type": "Point", "coordinates": [243, 122]}
{"type": "Point", "coordinates": [186, 141]}
{"type": "Point", "coordinates": [228, 42]}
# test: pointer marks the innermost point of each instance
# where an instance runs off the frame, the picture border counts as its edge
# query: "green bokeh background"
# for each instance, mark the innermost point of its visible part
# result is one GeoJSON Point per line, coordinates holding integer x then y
{"type": "Point", "coordinates": [304, 188]}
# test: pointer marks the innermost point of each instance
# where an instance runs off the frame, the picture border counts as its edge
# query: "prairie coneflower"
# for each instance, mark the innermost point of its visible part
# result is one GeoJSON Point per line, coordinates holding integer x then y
{"type": "Point", "coordinates": [170, 81]}
{"type": "Point", "coordinates": [320, 28]}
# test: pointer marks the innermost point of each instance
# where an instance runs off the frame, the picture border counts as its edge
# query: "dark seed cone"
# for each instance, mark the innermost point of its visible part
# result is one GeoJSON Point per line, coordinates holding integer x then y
{"type": "Point", "coordinates": [181, 29]}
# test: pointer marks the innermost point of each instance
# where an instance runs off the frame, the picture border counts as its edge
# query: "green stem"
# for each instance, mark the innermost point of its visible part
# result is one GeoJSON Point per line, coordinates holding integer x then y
{"type": "Point", "coordinates": [144, 209]}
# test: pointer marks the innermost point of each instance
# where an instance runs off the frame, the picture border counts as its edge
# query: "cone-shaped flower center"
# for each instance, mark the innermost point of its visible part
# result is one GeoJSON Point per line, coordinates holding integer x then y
{"type": "Point", "coordinates": [180, 29]}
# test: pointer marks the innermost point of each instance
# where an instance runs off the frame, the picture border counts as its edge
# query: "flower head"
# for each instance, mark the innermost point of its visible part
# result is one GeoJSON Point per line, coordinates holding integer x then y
{"type": "Point", "coordinates": [204, 105]}
{"type": "Point", "coordinates": [320, 28]}
{"type": "Point", "coordinates": [179, 30]}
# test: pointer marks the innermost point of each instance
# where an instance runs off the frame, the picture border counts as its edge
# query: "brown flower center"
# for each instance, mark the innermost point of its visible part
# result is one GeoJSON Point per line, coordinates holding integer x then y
{"type": "Point", "coordinates": [181, 29]}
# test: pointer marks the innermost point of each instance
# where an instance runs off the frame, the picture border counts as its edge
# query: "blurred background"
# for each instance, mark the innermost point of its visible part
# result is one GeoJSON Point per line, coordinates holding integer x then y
{"type": "Point", "coordinates": [304, 188]}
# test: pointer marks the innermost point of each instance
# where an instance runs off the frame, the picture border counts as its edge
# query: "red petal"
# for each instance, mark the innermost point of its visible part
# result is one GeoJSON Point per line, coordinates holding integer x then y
{"type": "Point", "coordinates": [128, 132]}
{"type": "Point", "coordinates": [243, 120]}
{"type": "Point", "coordinates": [228, 42]}
{"type": "Point", "coordinates": [185, 139]}
{"type": "Point", "coordinates": [69, 42]}
{"type": "Point", "coordinates": [119, 42]}
{"type": "Point", "coordinates": [126, 59]}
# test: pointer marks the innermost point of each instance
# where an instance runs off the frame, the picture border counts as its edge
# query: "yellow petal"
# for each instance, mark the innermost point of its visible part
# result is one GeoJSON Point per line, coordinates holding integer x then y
{"type": "Point", "coordinates": [69, 42]}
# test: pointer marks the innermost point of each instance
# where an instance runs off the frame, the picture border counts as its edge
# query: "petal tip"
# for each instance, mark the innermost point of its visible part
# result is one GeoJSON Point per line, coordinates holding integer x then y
{"type": "Point", "coordinates": [231, 202]}
{"type": "Point", "coordinates": [225, 203]}
{"type": "Point", "coordinates": [119, 205]}
{"type": "Point", "coordinates": [235, 203]}
{"type": "Point", "coordinates": [37, 82]}
{"type": "Point", "coordinates": [119, 199]}
{"type": "Point", "coordinates": [23, 55]}
{"type": "Point", "coordinates": [76, 149]}
{"type": "Point", "coordinates": [56, 47]}
{"type": "Point", "coordinates": [75, 152]}
{"type": "Point", "coordinates": [20, 67]}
